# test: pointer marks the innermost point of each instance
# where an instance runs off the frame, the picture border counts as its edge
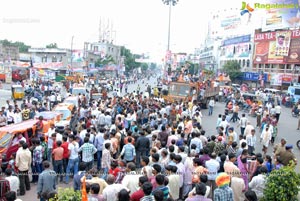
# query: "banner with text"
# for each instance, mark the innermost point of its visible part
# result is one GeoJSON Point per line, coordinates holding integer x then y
{"type": "Point", "coordinates": [266, 48]}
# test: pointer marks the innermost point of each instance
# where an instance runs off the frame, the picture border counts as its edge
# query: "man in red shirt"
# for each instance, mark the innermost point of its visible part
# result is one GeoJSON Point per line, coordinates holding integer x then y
{"type": "Point", "coordinates": [136, 196]}
{"type": "Point", "coordinates": [114, 170]}
{"type": "Point", "coordinates": [65, 146]}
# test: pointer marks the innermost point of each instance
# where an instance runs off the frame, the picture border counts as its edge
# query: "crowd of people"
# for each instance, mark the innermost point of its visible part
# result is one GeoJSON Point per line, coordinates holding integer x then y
{"type": "Point", "coordinates": [141, 148]}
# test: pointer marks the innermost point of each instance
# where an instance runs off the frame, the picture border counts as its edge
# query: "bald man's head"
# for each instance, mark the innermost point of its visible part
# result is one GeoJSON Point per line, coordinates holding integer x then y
{"type": "Point", "coordinates": [110, 179]}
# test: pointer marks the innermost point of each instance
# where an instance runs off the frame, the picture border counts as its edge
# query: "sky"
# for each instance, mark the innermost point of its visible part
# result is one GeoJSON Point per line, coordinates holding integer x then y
{"type": "Point", "coordinates": [140, 25]}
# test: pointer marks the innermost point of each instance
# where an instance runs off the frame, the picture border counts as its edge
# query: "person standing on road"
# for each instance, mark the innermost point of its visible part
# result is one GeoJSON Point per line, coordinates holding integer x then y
{"type": "Point", "coordinates": [47, 182]}
{"type": "Point", "coordinates": [235, 115]}
{"type": "Point", "coordinates": [98, 143]}
{"type": "Point", "coordinates": [211, 106]}
{"type": "Point", "coordinates": [142, 146]}
{"type": "Point", "coordinates": [73, 157]}
{"type": "Point", "coordinates": [88, 150]}
{"type": "Point", "coordinates": [243, 123]}
{"type": "Point", "coordinates": [23, 162]}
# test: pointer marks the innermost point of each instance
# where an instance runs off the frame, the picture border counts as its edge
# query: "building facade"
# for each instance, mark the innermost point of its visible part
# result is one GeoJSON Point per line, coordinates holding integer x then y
{"type": "Point", "coordinates": [281, 60]}
{"type": "Point", "coordinates": [49, 55]}
{"type": "Point", "coordinates": [9, 53]}
{"type": "Point", "coordinates": [100, 50]}
{"type": "Point", "coordinates": [238, 49]}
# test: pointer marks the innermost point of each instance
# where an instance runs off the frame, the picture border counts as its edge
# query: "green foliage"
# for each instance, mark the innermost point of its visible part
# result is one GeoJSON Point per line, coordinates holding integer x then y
{"type": "Point", "coordinates": [52, 45]}
{"type": "Point", "coordinates": [233, 69]}
{"type": "Point", "coordinates": [144, 67]}
{"type": "Point", "coordinates": [153, 66]}
{"type": "Point", "coordinates": [105, 61]}
{"type": "Point", "coordinates": [23, 48]}
{"type": "Point", "coordinates": [129, 60]}
{"type": "Point", "coordinates": [67, 194]}
{"type": "Point", "coordinates": [193, 68]}
{"type": "Point", "coordinates": [282, 185]}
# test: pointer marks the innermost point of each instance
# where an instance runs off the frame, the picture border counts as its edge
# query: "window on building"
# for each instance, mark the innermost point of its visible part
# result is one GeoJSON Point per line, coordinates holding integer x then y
{"type": "Point", "coordinates": [95, 48]}
{"type": "Point", "coordinates": [54, 59]}
{"type": "Point", "coordinates": [249, 47]}
{"type": "Point", "coordinates": [240, 62]}
{"type": "Point", "coordinates": [248, 63]}
{"type": "Point", "coordinates": [60, 59]}
{"type": "Point", "coordinates": [267, 65]}
{"type": "Point", "coordinates": [44, 58]}
{"type": "Point", "coordinates": [244, 62]}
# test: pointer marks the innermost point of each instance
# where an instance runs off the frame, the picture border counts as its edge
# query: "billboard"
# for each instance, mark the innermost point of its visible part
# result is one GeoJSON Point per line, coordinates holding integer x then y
{"type": "Point", "coordinates": [280, 14]}
{"type": "Point", "coordinates": [294, 53]}
{"type": "Point", "coordinates": [77, 56]}
{"type": "Point", "coordinates": [283, 39]}
{"type": "Point", "coordinates": [276, 79]}
{"type": "Point", "coordinates": [266, 48]}
{"type": "Point", "coordinates": [253, 76]}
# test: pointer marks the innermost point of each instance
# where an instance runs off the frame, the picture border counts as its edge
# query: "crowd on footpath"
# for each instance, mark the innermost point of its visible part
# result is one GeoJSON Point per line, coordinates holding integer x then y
{"type": "Point", "coordinates": [139, 147]}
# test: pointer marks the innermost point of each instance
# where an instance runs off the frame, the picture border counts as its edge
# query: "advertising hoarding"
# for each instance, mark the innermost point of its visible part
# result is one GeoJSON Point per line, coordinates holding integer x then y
{"type": "Point", "coordinates": [284, 15]}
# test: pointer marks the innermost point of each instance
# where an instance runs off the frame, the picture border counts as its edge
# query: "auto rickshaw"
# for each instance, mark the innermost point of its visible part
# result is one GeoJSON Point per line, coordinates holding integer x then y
{"type": "Point", "coordinates": [17, 92]}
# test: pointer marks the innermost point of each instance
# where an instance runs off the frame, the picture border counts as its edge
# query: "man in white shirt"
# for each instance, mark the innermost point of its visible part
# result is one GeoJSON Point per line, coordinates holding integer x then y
{"type": "Point", "coordinates": [131, 179]}
{"type": "Point", "coordinates": [212, 167]}
{"type": "Point", "coordinates": [211, 105]}
{"type": "Point", "coordinates": [277, 112]}
{"type": "Point", "coordinates": [10, 115]}
{"type": "Point", "coordinates": [73, 157]}
{"type": "Point", "coordinates": [14, 181]}
{"type": "Point", "coordinates": [110, 193]}
{"type": "Point", "coordinates": [258, 183]}
{"type": "Point", "coordinates": [243, 123]}
{"type": "Point", "coordinates": [248, 129]}
{"type": "Point", "coordinates": [251, 142]}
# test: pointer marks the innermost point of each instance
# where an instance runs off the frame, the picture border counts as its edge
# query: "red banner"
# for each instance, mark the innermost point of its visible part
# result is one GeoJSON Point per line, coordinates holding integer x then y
{"type": "Point", "coordinates": [265, 52]}
{"type": "Point", "coordinates": [287, 78]}
{"type": "Point", "coordinates": [271, 36]}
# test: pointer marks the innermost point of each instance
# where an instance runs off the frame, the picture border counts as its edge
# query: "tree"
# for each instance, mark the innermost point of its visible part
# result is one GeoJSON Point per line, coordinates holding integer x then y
{"type": "Point", "coordinates": [153, 66]}
{"type": "Point", "coordinates": [52, 45]}
{"type": "Point", "coordinates": [104, 61]}
{"type": "Point", "coordinates": [233, 69]}
{"type": "Point", "coordinates": [23, 48]}
{"type": "Point", "coordinates": [129, 60]}
{"type": "Point", "coordinates": [144, 67]}
{"type": "Point", "coordinates": [282, 184]}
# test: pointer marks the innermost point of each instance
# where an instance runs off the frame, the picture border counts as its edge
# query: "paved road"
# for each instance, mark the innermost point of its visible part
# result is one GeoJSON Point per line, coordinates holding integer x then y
{"type": "Point", "coordinates": [287, 128]}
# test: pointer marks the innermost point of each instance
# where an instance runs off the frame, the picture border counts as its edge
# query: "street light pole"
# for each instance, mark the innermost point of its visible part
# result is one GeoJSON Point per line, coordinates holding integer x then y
{"type": "Point", "coordinates": [170, 3]}
{"type": "Point", "coordinates": [169, 28]}
{"type": "Point", "coordinates": [71, 53]}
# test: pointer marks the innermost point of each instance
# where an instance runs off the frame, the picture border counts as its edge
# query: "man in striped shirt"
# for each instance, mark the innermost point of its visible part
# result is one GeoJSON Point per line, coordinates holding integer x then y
{"type": "Point", "coordinates": [4, 188]}
{"type": "Point", "coordinates": [160, 180]}
{"type": "Point", "coordinates": [88, 151]}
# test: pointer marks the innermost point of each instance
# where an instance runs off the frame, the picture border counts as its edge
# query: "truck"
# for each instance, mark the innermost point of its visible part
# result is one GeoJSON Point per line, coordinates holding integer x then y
{"type": "Point", "coordinates": [181, 90]}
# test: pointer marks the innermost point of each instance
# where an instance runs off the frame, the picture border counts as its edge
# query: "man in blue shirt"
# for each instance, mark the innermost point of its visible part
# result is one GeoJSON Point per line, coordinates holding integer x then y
{"type": "Point", "coordinates": [128, 151]}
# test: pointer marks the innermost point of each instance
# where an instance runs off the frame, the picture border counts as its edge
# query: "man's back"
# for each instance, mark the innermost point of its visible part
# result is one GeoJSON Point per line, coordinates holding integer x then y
{"type": "Point", "coordinates": [223, 193]}
{"type": "Point", "coordinates": [4, 187]}
{"type": "Point", "coordinates": [47, 181]}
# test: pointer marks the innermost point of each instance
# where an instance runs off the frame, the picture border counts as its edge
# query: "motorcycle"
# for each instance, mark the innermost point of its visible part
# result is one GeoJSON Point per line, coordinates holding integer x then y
{"type": "Point", "coordinates": [298, 144]}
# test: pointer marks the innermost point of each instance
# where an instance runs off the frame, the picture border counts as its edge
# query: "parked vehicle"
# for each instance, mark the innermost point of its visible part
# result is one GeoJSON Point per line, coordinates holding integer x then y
{"type": "Point", "coordinates": [17, 92]}
{"type": "Point", "coordinates": [49, 116]}
{"type": "Point", "coordinates": [9, 140]}
{"type": "Point", "coordinates": [66, 110]}
{"type": "Point", "coordinates": [184, 91]}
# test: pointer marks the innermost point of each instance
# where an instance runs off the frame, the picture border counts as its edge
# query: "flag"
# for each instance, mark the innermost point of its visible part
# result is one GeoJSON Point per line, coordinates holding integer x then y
{"type": "Point", "coordinates": [84, 196]}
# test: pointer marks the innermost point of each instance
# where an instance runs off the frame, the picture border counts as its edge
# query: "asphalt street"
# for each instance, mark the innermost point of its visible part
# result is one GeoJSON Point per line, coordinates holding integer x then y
{"type": "Point", "coordinates": [287, 127]}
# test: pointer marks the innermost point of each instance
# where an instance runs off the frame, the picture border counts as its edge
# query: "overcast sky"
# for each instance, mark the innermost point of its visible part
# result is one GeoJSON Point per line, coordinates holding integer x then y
{"type": "Point", "coordinates": [140, 25]}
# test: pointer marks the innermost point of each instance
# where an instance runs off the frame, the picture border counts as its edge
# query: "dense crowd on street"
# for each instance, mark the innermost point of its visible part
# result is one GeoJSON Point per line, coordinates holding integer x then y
{"type": "Point", "coordinates": [136, 147]}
